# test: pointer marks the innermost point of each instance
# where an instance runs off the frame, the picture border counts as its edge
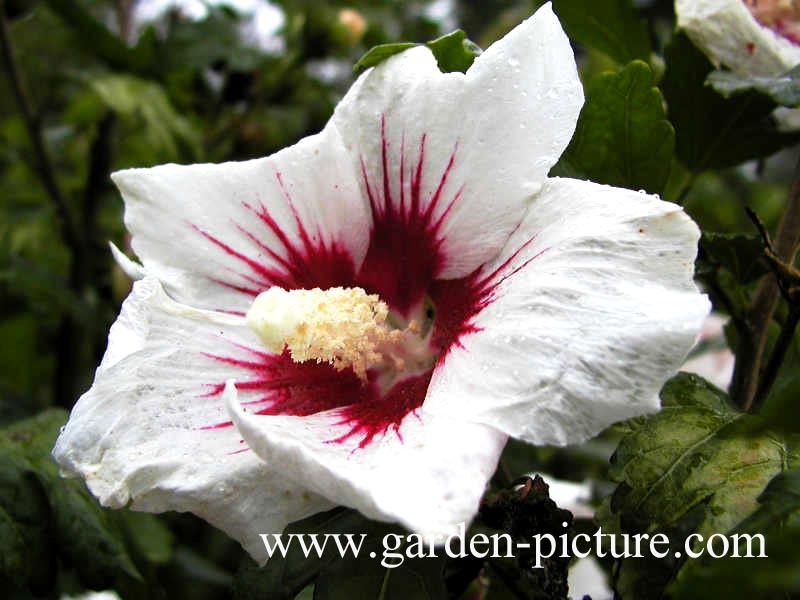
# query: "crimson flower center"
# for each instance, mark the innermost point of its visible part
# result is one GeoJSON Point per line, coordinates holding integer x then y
{"type": "Point", "coordinates": [345, 327]}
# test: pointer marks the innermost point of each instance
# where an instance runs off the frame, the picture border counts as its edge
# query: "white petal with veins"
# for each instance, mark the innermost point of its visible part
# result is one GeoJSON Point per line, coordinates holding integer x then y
{"type": "Point", "coordinates": [429, 478]}
{"type": "Point", "coordinates": [136, 435]}
{"type": "Point", "coordinates": [585, 334]}
{"type": "Point", "coordinates": [504, 124]}
{"type": "Point", "coordinates": [181, 216]}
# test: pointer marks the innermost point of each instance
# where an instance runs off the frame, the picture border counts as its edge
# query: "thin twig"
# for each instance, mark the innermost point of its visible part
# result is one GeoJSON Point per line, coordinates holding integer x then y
{"type": "Point", "coordinates": [687, 187]}
{"type": "Point", "coordinates": [778, 355]}
{"type": "Point", "coordinates": [44, 165]}
{"type": "Point", "coordinates": [753, 335]}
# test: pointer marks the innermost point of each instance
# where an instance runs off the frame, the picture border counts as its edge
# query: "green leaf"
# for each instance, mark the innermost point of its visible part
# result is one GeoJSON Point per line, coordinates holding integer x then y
{"type": "Point", "coordinates": [622, 137]}
{"type": "Point", "coordinates": [696, 451]}
{"type": "Point", "coordinates": [26, 557]}
{"type": "Point", "coordinates": [780, 408]}
{"type": "Point", "coordinates": [713, 132]}
{"type": "Point", "coordinates": [610, 26]}
{"type": "Point", "coordinates": [779, 500]}
{"type": "Point", "coordinates": [740, 254]}
{"type": "Point", "coordinates": [783, 90]}
{"type": "Point", "coordinates": [78, 530]}
{"type": "Point", "coordinates": [775, 575]}
{"type": "Point", "coordinates": [145, 104]}
{"type": "Point", "coordinates": [148, 536]}
{"type": "Point", "coordinates": [454, 52]}
{"type": "Point", "coordinates": [378, 54]}
{"type": "Point", "coordinates": [693, 467]}
{"type": "Point", "coordinates": [88, 537]}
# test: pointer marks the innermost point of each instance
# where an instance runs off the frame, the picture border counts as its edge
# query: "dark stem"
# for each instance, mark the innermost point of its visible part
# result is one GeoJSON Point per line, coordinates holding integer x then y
{"type": "Point", "coordinates": [72, 335]}
{"type": "Point", "coordinates": [757, 317]}
{"type": "Point", "coordinates": [96, 268]}
{"type": "Point", "coordinates": [777, 357]}
{"type": "Point", "coordinates": [97, 176]}
{"type": "Point", "coordinates": [124, 21]}
{"type": "Point", "coordinates": [44, 165]}
{"type": "Point", "coordinates": [720, 294]}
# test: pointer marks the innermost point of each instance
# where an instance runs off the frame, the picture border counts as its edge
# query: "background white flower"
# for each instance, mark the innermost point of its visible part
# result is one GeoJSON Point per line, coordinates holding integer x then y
{"type": "Point", "coordinates": [712, 359]}
{"type": "Point", "coordinates": [749, 37]}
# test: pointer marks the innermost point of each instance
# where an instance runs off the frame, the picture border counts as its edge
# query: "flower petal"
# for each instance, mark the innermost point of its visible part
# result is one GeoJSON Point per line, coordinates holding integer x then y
{"type": "Point", "coordinates": [449, 159]}
{"type": "Point", "coordinates": [149, 434]}
{"type": "Point", "coordinates": [219, 234]}
{"type": "Point", "coordinates": [727, 32]}
{"type": "Point", "coordinates": [593, 308]}
{"type": "Point", "coordinates": [130, 267]}
{"type": "Point", "coordinates": [426, 475]}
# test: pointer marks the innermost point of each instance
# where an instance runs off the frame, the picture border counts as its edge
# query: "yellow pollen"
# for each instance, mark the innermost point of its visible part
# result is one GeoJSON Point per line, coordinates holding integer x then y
{"type": "Point", "coordinates": [345, 327]}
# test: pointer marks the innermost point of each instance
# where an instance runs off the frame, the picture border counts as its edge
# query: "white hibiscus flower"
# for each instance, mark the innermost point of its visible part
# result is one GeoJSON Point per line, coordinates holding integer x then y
{"type": "Point", "coordinates": [750, 37]}
{"type": "Point", "coordinates": [496, 302]}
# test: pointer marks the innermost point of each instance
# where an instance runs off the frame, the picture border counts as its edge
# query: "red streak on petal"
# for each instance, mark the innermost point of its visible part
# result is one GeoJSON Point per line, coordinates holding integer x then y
{"type": "Point", "coordinates": [370, 419]}
{"type": "Point", "coordinates": [459, 301]}
{"type": "Point", "coordinates": [405, 252]}
{"type": "Point", "coordinates": [221, 425]}
{"type": "Point", "coordinates": [291, 388]}
{"type": "Point", "coordinates": [292, 260]}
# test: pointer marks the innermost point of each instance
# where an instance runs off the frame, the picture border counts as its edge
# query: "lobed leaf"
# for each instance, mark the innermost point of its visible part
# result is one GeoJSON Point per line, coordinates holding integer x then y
{"type": "Point", "coordinates": [610, 26]}
{"type": "Point", "coordinates": [623, 137]}
{"type": "Point", "coordinates": [695, 467]}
